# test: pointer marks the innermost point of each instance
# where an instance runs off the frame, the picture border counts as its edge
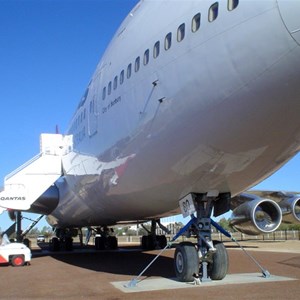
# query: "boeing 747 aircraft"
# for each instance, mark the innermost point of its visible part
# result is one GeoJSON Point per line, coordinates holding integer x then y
{"type": "Point", "coordinates": [193, 103]}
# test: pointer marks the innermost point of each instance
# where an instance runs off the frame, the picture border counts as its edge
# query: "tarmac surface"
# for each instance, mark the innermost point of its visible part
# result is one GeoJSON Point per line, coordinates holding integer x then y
{"type": "Point", "coordinates": [87, 274]}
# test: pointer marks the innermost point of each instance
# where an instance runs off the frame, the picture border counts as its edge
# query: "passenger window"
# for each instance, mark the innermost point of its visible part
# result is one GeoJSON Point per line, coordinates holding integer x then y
{"type": "Point", "coordinates": [213, 12]}
{"type": "Point", "coordinates": [115, 82]}
{"type": "Point", "coordinates": [196, 22]}
{"type": "Point", "coordinates": [168, 41]}
{"type": "Point", "coordinates": [137, 64]}
{"type": "Point", "coordinates": [103, 93]}
{"type": "Point", "coordinates": [129, 71]}
{"type": "Point", "coordinates": [122, 77]}
{"type": "Point", "coordinates": [180, 32]}
{"type": "Point", "coordinates": [146, 57]}
{"type": "Point", "coordinates": [109, 88]}
{"type": "Point", "coordinates": [156, 49]}
{"type": "Point", "coordinates": [232, 4]}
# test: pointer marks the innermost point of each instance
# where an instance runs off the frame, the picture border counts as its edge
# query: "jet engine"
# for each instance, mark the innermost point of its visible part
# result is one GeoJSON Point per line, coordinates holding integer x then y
{"type": "Point", "coordinates": [256, 216]}
{"type": "Point", "coordinates": [290, 209]}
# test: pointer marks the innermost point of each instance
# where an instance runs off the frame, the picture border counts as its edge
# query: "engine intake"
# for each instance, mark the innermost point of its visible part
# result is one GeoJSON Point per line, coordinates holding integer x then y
{"type": "Point", "coordinates": [290, 209]}
{"type": "Point", "coordinates": [256, 216]}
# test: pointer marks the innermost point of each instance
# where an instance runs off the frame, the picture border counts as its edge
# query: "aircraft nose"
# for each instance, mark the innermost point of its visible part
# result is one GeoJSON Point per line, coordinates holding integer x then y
{"type": "Point", "coordinates": [290, 13]}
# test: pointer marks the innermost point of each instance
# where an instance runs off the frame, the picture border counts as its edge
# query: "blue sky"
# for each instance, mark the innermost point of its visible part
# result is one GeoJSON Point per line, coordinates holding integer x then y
{"type": "Point", "coordinates": [49, 50]}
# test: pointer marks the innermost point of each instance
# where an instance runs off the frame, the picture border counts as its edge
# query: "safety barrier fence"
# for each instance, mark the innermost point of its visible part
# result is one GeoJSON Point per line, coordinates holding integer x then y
{"type": "Point", "coordinates": [283, 235]}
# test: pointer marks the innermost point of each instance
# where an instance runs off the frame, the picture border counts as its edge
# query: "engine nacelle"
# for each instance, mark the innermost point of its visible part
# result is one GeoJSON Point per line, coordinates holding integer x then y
{"type": "Point", "coordinates": [290, 209]}
{"type": "Point", "coordinates": [256, 216]}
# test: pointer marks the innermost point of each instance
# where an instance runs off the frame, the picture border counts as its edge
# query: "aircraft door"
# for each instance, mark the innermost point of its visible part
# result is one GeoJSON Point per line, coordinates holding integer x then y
{"type": "Point", "coordinates": [93, 108]}
{"type": "Point", "coordinates": [93, 116]}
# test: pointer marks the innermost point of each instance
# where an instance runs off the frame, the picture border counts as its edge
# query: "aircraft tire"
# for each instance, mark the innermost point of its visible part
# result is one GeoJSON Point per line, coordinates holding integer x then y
{"type": "Point", "coordinates": [99, 243]}
{"type": "Point", "coordinates": [148, 242]}
{"type": "Point", "coordinates": [69, 244]}
{"type": "Point", "coordinates": [217, 270]}
{"type": "Point", "coordinates": [112, 242]}
{"type": "Point", "coordinates": [186, 262]}
{"type": "Point", "coordinates": [27, 243]}
{"type": "Point", "coordinates": [55, 244]}
{"type": "Point", "coordinates": [162, 241]}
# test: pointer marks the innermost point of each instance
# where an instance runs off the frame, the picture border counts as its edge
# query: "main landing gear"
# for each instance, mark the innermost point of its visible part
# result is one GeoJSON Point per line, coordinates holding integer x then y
{"type": "Point", "coordinates": [207, 260]}
{"type": "Point", "coordinates": [104, 238]}
{"type": "Point", "coordinates": [153, 241]}
{"type": "Point", "coordinates": [63, 239]}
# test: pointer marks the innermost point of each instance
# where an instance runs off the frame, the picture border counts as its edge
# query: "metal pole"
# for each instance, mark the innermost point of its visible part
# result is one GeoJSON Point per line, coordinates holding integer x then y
{"type": "Point", "coordinates": [19, 227]}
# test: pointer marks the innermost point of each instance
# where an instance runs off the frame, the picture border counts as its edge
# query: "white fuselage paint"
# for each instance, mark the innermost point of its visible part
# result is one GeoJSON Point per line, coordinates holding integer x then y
{"type": "Point", "coordinates": [219, 110]}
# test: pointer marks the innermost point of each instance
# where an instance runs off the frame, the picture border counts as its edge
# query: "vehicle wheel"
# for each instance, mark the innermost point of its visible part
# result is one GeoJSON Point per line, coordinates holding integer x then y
{"type": "Point", "coordinates": [186, 262]}
{"type": "Point", "coordinates": [218, 269]}
{"type": "Point", "coordinates": [18, 260]}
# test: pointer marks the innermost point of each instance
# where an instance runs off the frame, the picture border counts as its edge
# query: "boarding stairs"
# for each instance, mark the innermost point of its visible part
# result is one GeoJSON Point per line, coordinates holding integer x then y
{"type": "Point", "coordinates": [26, 184]}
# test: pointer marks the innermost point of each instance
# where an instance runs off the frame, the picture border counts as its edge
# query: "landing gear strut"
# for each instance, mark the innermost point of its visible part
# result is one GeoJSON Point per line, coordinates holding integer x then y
{"type": "Point", "coordinates": [207, 259]}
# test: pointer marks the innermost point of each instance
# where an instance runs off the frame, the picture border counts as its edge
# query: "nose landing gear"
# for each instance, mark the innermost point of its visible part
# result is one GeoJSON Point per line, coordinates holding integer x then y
{"type": "Point", "coordinates": [206, 259]}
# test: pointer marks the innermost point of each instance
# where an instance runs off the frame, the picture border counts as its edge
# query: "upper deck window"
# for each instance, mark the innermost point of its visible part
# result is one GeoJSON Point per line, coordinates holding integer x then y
{"type": "Point", "coordinates": [181, 32]}
{"type": "Point", "coordinates": [232, 4]}
{"type": "Point", "coordinates": [156, 49]}
{"type": "Point", "coordinates": [213, 12]}
{"type": "Point", "coordinates": [129, 71]}
{"type": "Point", "coordinates": [137, 64]}
{"type": "Point", "coordinates": [146, 57]}
{"type": "Point", "coordinates": [196, 22]}
{"type": "Point", "coordinates": [168, 41]}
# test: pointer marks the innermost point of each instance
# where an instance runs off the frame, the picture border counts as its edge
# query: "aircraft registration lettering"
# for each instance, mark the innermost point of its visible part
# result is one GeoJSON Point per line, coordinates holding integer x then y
{"type": "Point", "coordinates": [111, 104]}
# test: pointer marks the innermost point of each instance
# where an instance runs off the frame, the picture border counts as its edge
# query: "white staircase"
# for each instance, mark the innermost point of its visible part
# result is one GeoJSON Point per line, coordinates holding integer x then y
{"type": "Point", "coordinates": [27, 183]}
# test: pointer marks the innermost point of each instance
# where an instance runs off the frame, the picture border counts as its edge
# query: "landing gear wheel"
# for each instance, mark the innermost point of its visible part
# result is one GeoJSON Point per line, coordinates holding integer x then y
{"type": "Point", "coordinates": [218, 269]}
{"type": "Point", "coordinates": [100, 243]}
{"type": "Point", "coordinates": [148, 242]}
{"type": "Point", "coordinates": [55, 244]}
{"type": "Point", "coordinates": [27, 243]}
{"type": "Point", "coordinates": [18, 260]}
{"type": "Point", "coordinates": [186, 262]}
{"type": "Point", "coordinates": [69, 244]}
{"type": "Point", "coordinates": [162, 241]}
{"type": "Point", "coordinates": [112, 242]}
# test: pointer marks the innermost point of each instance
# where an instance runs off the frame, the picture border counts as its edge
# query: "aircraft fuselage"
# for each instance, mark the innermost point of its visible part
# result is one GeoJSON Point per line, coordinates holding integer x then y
{"type": "Point", "coordinates": [177, 105]}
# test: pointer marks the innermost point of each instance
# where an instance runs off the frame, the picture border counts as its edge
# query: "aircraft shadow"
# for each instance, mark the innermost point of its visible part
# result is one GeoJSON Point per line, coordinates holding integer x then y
{"type": "Point", "coordinates": [125, 261]}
